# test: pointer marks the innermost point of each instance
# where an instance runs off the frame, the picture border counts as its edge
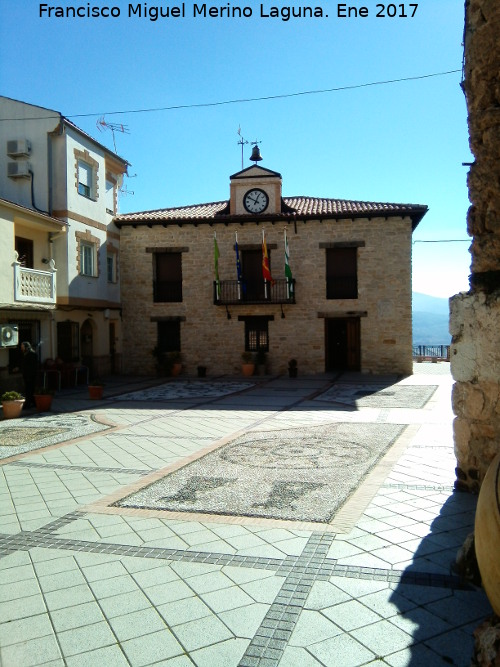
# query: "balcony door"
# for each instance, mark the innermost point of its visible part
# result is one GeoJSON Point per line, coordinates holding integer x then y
{"type": "Point", "coordinates": [24, 249]}
{"type": "Point", "coordinates": [252, 275]}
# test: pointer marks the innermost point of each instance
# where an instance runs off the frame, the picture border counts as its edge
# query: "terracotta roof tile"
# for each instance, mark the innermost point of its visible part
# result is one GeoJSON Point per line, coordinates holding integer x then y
{"type": "Point", "coordinates": [292, 207]}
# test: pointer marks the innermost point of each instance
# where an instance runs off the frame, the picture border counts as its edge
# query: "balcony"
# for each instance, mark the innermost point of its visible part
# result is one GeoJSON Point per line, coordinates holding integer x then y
{"type": "Point", "coordinates": [245, 292]}
{"type": "Point", "coordinates": [34, 285]}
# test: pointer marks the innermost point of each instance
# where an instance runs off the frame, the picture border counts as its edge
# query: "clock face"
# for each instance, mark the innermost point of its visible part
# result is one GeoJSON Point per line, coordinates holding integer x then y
{"type": "Point", "coordinates": [255, 201]}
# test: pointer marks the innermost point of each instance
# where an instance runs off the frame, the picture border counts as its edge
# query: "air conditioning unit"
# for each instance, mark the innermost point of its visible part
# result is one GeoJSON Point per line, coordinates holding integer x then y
{"type": "Point", "coordinates": [18, 148]}
{"type": "Point", "coordinates": [9, 336]}
{"type": "Point", "coordinates": [18, 169]}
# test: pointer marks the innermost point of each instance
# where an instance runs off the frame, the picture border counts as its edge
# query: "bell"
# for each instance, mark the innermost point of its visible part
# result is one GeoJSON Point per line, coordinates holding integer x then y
{"type": "Point", "coordinates": [256, 156]}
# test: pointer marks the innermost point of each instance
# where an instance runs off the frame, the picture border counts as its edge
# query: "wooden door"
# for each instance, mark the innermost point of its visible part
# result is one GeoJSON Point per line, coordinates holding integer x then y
{"type": "Point", "coordinates": [342, 344]}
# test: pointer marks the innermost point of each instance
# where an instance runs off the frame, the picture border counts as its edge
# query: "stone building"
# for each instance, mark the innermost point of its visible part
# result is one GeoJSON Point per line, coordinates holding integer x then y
{"type": "Point", "coordinates": [343, 302]}
{"type": "Point", "coordinates": [475, 315]}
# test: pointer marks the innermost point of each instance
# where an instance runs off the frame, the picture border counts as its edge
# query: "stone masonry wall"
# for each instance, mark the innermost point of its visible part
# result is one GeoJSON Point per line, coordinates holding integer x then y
{"type": "Point", "coordinates": [209, 338]}
{"type": "Point", "coordinates": [475, 316]}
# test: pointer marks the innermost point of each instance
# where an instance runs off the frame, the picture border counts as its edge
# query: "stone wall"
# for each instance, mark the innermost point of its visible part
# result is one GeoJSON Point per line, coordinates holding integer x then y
{"type": "Point", "coordinates": [209, 338]}
{"type": "Point", "coordinates": [475, 316]}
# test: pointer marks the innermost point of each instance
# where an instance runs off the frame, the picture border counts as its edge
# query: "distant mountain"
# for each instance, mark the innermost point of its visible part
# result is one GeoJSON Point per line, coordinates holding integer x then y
{"type": "Point", "coordinates": [430, 316]}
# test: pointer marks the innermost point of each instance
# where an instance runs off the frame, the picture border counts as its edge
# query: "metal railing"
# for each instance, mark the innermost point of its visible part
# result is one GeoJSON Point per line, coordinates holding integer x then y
{"type": "Point", "coordinates": [234, 292]}
{"type": "Point", "coordinates": [33, 285]}
{"type": "Point", "coordinates": [441, 352]}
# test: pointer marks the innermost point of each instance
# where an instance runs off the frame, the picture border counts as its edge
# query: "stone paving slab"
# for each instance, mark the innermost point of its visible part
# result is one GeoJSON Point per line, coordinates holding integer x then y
{"type": "Point", "coordinates": [85, 584]}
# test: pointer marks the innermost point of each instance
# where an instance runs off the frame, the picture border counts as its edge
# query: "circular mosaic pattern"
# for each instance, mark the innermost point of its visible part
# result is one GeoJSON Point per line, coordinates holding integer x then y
{"type": "Point", "coordinates": [290, 454]}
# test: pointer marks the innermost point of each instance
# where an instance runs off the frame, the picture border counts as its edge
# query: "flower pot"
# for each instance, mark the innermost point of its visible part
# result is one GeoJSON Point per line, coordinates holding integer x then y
{"type": "Point", "coordinates": [487, 533]}
{"type": "Point", "coordinates": [176, 369]}
{"type": "Point", "coordinates": [247, 369]}
{"type": "Point", "coordinates": [43, 402]}
{"type": "Point", "coordinates": [12, 409]}
{"type": "Point", "coordinates": [95, 391]}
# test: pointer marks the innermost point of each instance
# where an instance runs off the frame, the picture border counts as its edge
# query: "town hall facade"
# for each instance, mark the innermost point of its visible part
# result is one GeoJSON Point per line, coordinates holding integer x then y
{"type": "Point", "coordinates": [326, 282]}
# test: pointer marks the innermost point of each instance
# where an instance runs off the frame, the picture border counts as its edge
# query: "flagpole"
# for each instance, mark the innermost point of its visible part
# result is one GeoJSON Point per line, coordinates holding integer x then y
{"type": "Point", "coordinates": [265, 281]}
{"type": "Point", "coordinates": [286, 262]}
{"type": "Point", "coordinates": [237, 267]}
{"type": "Point", "coordinates": [216, 266]}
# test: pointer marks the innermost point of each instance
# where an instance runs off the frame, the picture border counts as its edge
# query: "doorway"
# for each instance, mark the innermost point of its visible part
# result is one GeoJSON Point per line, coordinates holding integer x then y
{"type": "Point", "coordinates": [342, 344]}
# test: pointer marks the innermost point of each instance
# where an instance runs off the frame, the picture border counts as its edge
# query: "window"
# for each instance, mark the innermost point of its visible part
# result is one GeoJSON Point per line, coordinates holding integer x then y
{"type": "Point", "coordinates": [110, 197]}
{"type": "Point", "coordinates": [85, 179]}
{"type": "Point", "coordinates": [68, 341]}
{"type": "Point", "coordinates": [88, 263]}
{"type": "Point", "coordinates": [341, 273]}
{"type": "Point", "coordinates": [256, 334]}
{"type": "Point", "coordinates": [167, 283]}
{"type": "Point", "coordinates": [169, 336]}
{"type": "Point", "coordinates": [111, 268]}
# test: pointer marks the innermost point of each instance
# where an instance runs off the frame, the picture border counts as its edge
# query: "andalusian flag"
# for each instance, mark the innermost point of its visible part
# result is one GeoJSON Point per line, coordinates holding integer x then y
{"type": "Point", "coordinates": [288, 270]}
{"type": "Point", "coordinates": [216, 265]}
{"type": "Point", "coordinates": [238, 263]}
{"type": "Point", "coordinates": [266, 271]}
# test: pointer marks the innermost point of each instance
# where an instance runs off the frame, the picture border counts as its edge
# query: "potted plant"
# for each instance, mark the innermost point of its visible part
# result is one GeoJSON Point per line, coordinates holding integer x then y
{"type": "Point", "coordinates": [292, 368]}
{"type": "Point", "coordinates": [260, 360]}
{"type": "Point", "coordinates": [43, 399]}
{"type": "Point", "coordinates": [248, 364]}
{"type": "Point", "coordinates": [96, 388]}
{"type": "Point", "coordinates": [12, 404]}
{"type": "Point", "coordinates": [175, 363]}
{"type": "Point", "coordinates": [167, 363]}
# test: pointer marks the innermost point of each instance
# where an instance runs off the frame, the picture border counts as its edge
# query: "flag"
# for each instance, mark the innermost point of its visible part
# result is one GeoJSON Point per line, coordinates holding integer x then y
{"type": "Point", "coordinates": [216, 265]}
{"type": "Point", "coordinates": [288, 270]}
{"type": "Point", "coordinates": [266, 271]}
{"type": "Point", "coordinates": [238, 263]}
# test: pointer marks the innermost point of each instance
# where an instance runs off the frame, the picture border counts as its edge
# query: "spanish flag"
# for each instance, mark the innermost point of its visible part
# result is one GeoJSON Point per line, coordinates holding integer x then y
{"type": "Point", "coordinates": [266, 271]}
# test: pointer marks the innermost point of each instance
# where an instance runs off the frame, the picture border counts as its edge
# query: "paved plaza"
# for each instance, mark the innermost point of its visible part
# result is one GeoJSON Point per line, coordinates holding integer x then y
{"type": "Point", "coordinates": [228, 522]}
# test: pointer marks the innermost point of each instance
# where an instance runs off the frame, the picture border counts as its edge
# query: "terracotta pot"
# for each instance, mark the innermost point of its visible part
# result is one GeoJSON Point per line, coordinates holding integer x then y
{"type": "Point", "coordinates": [247, 369]}
{"type": "Point", "coordinates": [176, 369]}
{"type": "Point", "coordinates": [43, 402]}
{"type": "Point", "coordinates": [95, 391]}
{"type": "Point", "coordinates": [12, 409]}
{"type": "Point", "coordinates": [487, 533]}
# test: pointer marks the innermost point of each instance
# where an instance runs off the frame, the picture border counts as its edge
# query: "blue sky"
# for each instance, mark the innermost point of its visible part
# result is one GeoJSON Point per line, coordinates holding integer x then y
{"type": "Point", "coordinates": [400, 142]}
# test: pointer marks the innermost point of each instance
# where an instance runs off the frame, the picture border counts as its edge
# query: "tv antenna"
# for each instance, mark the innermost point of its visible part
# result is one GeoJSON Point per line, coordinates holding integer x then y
{"type": "Point", "coordinates": [103, 125]}
{"type": "Point", "coordinates": [241, 143]}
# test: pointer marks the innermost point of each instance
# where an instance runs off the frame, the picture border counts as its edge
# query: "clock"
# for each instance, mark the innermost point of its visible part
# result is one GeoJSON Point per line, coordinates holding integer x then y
{"type": "Point", "coordinates": [256, 201]}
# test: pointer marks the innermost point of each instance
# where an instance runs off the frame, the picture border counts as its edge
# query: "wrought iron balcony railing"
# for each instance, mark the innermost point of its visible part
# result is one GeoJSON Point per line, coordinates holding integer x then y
{"type": "Point", "coordinates": [235, 292]}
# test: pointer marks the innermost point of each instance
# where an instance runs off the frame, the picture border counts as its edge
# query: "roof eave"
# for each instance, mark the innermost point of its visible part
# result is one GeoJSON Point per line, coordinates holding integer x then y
{"type": "Point", "coordinates": [415, 214]}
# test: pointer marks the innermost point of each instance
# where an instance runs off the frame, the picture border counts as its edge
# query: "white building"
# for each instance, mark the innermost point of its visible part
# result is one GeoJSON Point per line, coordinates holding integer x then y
{"type": "Point", "coordinates": [59, 191]}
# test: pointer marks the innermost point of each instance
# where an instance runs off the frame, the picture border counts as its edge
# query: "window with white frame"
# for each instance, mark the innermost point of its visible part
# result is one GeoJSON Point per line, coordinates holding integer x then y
{"type": "Point", "coordinates": [88, 259]}
{"type": "Point", "coordinates": [85, 179]}
{"type": "Point", "coordinates": [110, 197]}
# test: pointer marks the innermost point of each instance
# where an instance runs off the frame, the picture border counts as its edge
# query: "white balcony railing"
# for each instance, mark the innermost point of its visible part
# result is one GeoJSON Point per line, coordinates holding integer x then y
{"type": "Point", "coordinates": [33, 285]}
